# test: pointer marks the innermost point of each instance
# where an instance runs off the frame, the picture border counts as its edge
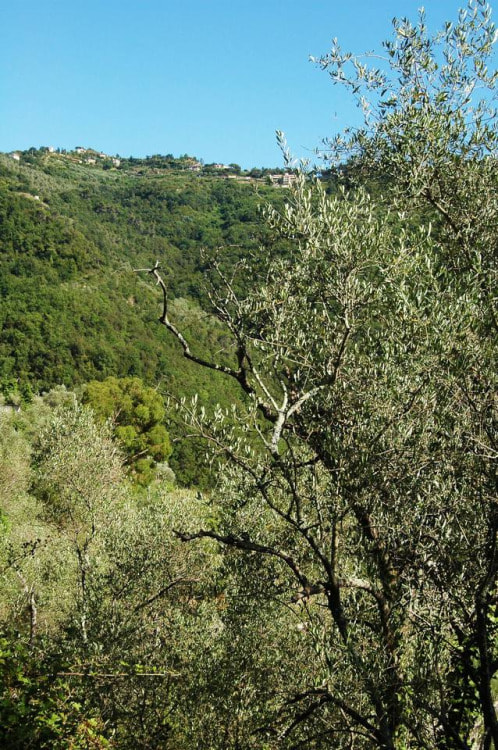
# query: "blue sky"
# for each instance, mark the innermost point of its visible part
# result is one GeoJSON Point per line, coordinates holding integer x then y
{"type": "Point", "coordinates": [211, 78]}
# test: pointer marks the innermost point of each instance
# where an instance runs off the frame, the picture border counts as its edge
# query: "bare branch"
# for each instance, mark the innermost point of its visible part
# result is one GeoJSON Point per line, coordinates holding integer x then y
{"type": "Point", "coordinates": [249, 546]}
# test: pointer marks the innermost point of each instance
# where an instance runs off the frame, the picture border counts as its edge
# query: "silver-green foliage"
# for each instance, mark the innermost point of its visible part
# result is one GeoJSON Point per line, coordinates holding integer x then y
{"type": "Point", "coordinates": [110, 624]}
{"type": "Point", "coordinates": [364, 466]}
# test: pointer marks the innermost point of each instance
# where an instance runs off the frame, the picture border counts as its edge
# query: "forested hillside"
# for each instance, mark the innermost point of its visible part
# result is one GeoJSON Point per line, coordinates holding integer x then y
{"type": "Point", "coordinates": [72, 231]}
{"type": "Point", "coordinates": [70, 234]}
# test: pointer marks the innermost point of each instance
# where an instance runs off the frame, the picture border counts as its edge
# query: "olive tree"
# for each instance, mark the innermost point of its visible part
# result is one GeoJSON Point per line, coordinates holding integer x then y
{"type": "Point", "coordinates": [78, 479]}
{"type": "Point", "coordinates": [364, 463]}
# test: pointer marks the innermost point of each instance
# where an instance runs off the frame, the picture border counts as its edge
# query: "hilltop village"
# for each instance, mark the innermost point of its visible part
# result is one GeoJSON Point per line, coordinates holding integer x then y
{"type": "Point", "coordinates": [156, 164]}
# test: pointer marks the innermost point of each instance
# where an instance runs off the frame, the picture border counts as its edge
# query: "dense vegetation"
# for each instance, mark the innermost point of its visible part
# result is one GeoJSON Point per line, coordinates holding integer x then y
{"type": "Point", "coordinates": [69, 235]}
{"type": "Point", "coordinates": [72, 311]}
{"type": "Point", "coordinates": [335, 583]}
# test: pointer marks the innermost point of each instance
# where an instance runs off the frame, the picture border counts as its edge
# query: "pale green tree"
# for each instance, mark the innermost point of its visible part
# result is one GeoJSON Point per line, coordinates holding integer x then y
{"type": "Point", "coordinates": [107, 621]}
{"type": "Point", "coordinates": [78, 479]}
{"type": "Point", "coordinates": [364, 465]}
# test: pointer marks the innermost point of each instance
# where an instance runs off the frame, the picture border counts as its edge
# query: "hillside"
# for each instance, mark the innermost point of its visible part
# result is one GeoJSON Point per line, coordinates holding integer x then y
{"type": "Point", "coordinates": [72, 228]}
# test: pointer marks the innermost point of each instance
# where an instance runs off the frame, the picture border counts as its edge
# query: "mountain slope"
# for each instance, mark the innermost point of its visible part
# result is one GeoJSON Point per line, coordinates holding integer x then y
{"type": "Point", "coordinates": [70, 235]}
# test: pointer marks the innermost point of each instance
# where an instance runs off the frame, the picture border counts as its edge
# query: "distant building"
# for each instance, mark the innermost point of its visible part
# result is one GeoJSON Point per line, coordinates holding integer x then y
{"type": "Point", "coordinates": [285, 180]}
{"type": "Point", "coordinates": [116, 162]}
{"type": "Point", "coordinates": [288, 179]}
{"type": "Point", "coordinates": [80, 150]}
{"type": "Point", "coordinates": [50, 149]}
{"type": "Point", "coordinates": [15, 155]}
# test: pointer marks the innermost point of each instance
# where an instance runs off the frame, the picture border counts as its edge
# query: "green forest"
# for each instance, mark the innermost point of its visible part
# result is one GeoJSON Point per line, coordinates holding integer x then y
{"type": "Point", "coordinates": [248, 444]}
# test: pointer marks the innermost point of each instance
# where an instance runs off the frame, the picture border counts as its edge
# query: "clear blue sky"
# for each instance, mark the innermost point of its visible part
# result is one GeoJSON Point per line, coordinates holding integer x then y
{"type": "Point", "coordinates": [211, 78]}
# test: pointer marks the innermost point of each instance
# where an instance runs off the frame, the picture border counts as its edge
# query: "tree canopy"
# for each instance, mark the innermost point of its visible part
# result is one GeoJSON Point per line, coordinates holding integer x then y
{"type": "Point", "coordinates": [136, 414]}
{"type": "Point", "coordinates": [364, 466]}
